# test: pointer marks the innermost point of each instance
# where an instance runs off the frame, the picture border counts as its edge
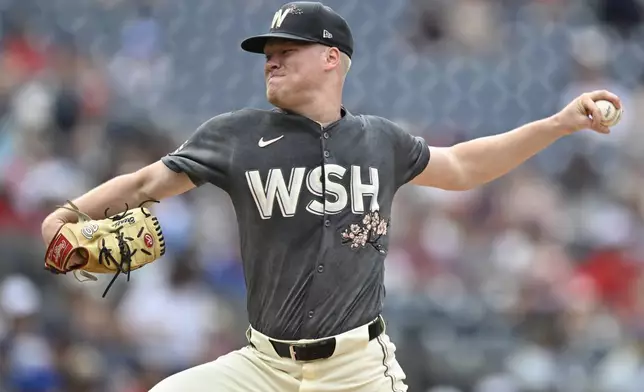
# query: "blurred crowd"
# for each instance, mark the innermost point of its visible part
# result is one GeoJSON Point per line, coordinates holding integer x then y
{"type": "Point", "coordinates": [533, 283]}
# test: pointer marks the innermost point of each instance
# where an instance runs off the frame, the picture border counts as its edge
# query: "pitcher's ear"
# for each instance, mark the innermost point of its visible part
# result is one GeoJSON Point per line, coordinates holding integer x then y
{"type": "Point", "coordinates": [333, 58]}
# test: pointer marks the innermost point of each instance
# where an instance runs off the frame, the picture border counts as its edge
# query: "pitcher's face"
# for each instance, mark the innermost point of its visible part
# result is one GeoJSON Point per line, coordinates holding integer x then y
{"type": "Point", "coordinates": [292, 69]}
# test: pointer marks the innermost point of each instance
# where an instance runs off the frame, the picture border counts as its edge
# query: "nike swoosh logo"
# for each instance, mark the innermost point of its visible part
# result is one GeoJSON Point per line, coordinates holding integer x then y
{"type": "Point", "coordinates": [263, 143]}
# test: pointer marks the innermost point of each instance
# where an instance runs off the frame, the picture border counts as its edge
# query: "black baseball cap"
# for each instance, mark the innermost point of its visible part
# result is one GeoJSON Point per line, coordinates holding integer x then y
{"type": "Point", "coordinates": [305, 21]}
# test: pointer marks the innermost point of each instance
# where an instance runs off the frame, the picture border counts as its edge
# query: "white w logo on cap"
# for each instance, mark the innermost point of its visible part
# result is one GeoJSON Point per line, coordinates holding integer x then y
{"type": "Point", "coordinates": [279, 17]}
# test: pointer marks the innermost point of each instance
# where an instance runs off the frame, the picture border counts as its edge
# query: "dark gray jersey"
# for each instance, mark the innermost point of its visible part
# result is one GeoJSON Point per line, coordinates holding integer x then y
{"type": "Point", "coordinates": [313, 264]}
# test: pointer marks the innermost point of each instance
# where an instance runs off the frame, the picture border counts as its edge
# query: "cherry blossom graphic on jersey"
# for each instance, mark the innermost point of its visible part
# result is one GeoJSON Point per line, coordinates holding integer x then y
{"type": "Point", "coordinates": [368, 232]}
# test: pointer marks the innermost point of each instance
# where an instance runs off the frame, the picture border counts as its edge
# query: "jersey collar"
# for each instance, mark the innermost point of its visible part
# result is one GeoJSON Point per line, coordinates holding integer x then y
{"type": "Point", "coordinates": [344, 113]}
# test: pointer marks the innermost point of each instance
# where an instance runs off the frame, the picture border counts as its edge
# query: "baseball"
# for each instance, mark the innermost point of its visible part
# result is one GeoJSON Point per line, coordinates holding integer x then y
{"type": "Point", "coordinates": [611, 115]}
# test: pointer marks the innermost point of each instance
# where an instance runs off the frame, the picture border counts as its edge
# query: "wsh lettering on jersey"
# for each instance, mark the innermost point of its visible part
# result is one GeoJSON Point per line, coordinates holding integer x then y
{"type": "Point", "coordinates": [288, 193]}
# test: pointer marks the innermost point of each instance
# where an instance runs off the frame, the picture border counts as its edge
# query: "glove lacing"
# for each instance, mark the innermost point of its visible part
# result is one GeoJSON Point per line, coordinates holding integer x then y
{"type": "Point", "coordinates": [105, 257]}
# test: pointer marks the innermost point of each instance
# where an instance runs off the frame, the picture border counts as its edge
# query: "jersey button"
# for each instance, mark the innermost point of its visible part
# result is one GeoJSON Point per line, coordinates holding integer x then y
{"type": "Point", "coordinates": [326, 135]}
{"type": "Point", "coordinates": [327, 154]}
{"type": "Point", "coordinates": [320, 268]}
{"type": "Point", "coordinates": [327, 223]}
{"type": "Point", "coordinates": [311, 313]}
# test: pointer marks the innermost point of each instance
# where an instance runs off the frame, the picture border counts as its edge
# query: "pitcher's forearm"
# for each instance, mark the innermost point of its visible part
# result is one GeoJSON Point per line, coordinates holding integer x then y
{"type": "Point", "coordinates": [153, 182]}
{"type": "Point", "coordinates": [491, 157]}
{"type": "Point", "coordinates": [113, 194]}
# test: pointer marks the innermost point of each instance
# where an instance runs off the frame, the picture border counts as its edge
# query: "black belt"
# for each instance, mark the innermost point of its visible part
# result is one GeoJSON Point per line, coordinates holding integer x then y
{"type": "Point", "coordinates": [321, 349]}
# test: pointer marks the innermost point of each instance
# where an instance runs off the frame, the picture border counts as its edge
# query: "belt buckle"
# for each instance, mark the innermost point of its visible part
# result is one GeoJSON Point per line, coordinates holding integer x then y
{"type": "Point", "coordinates": [291, 350]}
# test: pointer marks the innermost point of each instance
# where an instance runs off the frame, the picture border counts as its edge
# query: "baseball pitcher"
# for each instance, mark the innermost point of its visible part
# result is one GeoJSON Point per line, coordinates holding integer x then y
{"type": "Point", "coordinates": [312, 186]}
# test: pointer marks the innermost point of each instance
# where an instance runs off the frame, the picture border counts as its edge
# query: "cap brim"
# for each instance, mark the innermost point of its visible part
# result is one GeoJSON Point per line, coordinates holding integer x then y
{"type": "Point", "coordinates": [256, 44]}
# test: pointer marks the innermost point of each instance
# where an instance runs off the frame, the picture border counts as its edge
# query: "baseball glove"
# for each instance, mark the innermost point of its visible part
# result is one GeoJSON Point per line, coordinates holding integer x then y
{"type": "Point", "coordinates": [117, 244]}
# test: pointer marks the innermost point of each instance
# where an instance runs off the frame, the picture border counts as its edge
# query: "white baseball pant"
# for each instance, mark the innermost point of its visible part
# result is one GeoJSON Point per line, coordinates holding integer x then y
{"type": "Point", "coordinates": [357, 365]}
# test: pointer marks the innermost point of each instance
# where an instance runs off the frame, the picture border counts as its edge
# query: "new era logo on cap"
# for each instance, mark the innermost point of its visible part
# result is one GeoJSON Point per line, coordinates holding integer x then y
{"type": "Point", "coordinates": [305, 21]}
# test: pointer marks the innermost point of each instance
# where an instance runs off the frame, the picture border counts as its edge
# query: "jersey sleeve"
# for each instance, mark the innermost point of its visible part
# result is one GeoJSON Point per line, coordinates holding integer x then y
{"type": "Point", "coordinates": [207, 154]}
{"type": "Point", "coordinates": [411, 155]}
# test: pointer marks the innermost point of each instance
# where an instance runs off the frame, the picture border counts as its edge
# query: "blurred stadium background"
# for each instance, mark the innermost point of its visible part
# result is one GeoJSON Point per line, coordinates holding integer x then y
{"type": "Point", "coordinates": [531, 284]}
